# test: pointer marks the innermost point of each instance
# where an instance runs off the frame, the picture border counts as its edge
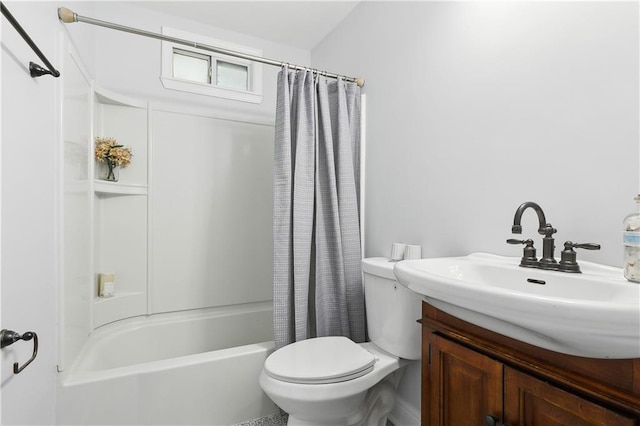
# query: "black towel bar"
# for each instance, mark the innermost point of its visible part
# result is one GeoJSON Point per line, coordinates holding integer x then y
{"type": "Point", "coordinates": [34, 69]}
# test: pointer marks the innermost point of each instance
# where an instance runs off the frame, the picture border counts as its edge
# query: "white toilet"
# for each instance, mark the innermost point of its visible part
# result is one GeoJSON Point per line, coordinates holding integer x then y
{"type": "Point", "coordinates": [334, 381]}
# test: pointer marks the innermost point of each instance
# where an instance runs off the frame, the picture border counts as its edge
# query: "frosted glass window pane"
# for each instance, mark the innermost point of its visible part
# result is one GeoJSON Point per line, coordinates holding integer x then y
{"type": "Point", "coordinates": [191, 66]}
{"type": "Point", "coordinates": [232, 76]}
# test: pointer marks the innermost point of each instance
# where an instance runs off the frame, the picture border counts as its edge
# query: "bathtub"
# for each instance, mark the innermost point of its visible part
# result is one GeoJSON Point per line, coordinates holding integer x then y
{"type": "Point", "coordinates": [185, 368]}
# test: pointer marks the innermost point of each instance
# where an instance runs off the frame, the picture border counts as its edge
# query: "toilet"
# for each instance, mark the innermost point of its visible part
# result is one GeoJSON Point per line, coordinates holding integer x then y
{"type": "Point", "coordinates": [334, 381]}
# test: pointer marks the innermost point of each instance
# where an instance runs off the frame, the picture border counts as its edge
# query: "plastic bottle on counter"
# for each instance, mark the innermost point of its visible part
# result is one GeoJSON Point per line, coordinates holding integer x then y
{"type": "Point", "coordinates": [631, 241]}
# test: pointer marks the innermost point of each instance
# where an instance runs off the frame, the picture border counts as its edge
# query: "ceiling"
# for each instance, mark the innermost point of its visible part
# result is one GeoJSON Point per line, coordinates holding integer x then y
{"type": "Point", "coordinates": [301, 24]}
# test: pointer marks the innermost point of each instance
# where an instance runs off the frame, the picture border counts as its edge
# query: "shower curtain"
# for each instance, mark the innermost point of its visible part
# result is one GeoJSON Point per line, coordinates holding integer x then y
{"type": "Point", "coordinates": [317, 279]}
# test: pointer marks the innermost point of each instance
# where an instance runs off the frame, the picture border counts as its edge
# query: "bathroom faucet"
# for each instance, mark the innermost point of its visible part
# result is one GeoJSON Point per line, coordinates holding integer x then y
{"type": "Point", "coordinates": [548, 260]}
{"type": "Point", "coordinates": [542, 221]}
{"type": "Point", "coordinates": [529, 260]}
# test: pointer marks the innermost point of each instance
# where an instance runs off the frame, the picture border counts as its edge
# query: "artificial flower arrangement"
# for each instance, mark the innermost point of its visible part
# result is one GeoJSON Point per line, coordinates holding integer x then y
{"type": "Point", "coordinates": [109, 152]}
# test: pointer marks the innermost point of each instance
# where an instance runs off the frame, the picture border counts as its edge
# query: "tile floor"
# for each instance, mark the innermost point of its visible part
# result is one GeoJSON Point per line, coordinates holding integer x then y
{"type": "Point", "coordinates": [272, 420]}
{"type": "Point", "coordinates": [276, 420]}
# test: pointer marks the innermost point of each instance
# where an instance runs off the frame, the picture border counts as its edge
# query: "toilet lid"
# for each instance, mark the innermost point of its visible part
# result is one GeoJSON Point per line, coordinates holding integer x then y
{"type": "Point", "coordinates": [320, 360]}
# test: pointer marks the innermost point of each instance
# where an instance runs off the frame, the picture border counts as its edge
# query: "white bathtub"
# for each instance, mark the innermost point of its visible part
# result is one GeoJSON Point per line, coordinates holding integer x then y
{"type": "Point", "coordinates": [187, 368]}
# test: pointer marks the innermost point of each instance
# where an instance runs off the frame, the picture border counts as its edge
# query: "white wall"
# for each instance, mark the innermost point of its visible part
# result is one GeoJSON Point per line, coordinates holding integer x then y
{"type": "Point", "coordinates": [29, 215]}
{"type": "Point", "coordinates": [474, 108]}
{"type": "Point", "coordinates": [477, 107]}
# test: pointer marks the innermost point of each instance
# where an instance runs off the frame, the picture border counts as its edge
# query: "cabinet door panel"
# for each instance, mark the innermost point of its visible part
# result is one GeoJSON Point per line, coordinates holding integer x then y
{"type": "Point", "coordinates": [531, 402]}
{"type": "Point", "coordinates": [464, 385]}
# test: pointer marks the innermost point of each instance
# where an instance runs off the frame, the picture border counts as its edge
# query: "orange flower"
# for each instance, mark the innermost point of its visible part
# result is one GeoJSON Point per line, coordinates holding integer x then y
{"type": "Point", "coordinates": [107, 150]}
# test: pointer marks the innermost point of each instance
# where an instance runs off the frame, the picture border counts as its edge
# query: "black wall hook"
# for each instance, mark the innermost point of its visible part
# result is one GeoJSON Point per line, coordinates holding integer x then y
{"type": "Point", "coordinates": [9, 337]}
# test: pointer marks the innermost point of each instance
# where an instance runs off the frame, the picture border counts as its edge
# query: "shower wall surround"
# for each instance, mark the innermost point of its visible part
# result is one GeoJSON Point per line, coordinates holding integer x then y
{"type": "Point", "coordinates": [189, 223]}
{"type": "Point", "coordinates": [211, 212]}
{"type": "Point", "coordinates": [104, 228]}
{"type": "Point", "coordinates": [187, 228]}
{"type": "Point", "coordinates": [120, 210]}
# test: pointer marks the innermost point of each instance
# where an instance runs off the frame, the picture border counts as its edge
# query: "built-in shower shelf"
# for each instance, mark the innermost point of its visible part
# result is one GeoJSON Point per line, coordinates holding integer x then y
{"type": "Point", "coordinates": [105, 188]}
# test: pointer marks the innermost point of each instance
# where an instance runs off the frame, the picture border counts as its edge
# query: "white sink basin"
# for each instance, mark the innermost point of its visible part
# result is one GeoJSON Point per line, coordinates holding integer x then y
{"type": "Point", "coordinates": [595, 314]}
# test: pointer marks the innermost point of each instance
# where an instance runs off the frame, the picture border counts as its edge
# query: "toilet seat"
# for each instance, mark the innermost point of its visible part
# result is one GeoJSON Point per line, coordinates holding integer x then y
{"type": "Point", "coordinates": [320, 361]}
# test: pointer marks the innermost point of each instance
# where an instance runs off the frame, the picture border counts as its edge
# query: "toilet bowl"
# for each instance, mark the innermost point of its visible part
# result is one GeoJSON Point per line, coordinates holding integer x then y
{"type": "Point", "coordinates": [334, 381]}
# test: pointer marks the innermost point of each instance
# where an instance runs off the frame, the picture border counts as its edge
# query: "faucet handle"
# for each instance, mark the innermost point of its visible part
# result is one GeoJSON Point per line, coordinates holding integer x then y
{"type": "Point", "coordinates": [587, 246]}
{"type": "Point", "coordinates": [529, 258]}
{"type": "Point", "coordinates": [528, 242]}
{"type": "Point", "coordinates": [568, 261]}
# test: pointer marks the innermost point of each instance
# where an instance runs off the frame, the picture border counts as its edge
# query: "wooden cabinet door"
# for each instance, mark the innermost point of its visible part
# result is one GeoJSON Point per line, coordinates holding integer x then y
{"type": "Point", "coordinates": [463, 386]}
{"type": "Point", "coordinates": [532, 402]}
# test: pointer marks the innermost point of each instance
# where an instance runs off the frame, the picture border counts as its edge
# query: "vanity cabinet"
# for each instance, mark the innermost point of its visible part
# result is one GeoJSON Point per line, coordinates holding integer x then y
{"type": "Point", "coordinates": [472, 376]}
{"type": "Point", "coordinates": [530, 401]}
{"type": "Point", "coordinates": [462, 386]}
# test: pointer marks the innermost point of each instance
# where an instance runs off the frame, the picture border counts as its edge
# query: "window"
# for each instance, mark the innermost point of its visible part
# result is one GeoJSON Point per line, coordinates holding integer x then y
{"type": "Point", "coordinates": [232, 76]}
{"type": "Point", "coordinates": [201, 71]}
{"type": "Point", "coordinates": [191, 66]}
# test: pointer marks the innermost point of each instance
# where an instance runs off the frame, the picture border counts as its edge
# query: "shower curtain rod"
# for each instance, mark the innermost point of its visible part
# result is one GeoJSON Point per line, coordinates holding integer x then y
{"type": "Point", "coordinates": [68, 17]}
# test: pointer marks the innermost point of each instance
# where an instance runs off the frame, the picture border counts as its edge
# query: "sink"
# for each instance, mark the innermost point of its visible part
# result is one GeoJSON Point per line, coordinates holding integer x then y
{"type": "Point", "coordinates": [595, 314]}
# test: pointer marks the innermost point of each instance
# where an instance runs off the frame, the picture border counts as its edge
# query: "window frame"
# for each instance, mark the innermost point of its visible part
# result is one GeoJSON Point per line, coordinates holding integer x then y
{"type": "Point", "coordinates": [254, 69]}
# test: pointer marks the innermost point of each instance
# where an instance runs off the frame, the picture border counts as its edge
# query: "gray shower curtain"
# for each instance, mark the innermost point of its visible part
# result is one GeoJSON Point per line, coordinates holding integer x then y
{"type": "Point", "coordinates": [316, 266]}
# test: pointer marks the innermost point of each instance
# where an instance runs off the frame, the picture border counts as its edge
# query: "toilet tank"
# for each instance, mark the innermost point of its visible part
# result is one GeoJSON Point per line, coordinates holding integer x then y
{"type": "Point", "coordinates": [392, 310]}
